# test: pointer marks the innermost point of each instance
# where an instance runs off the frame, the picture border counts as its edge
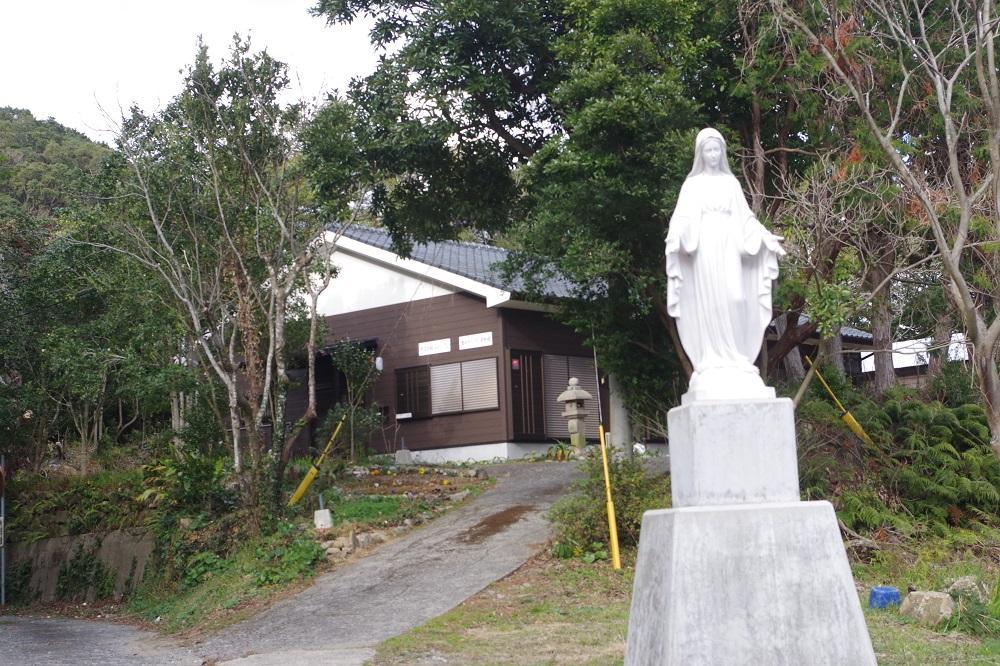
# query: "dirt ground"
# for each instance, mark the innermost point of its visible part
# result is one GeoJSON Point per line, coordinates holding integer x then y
{"type": "Point", "coordinates": [427, 482]}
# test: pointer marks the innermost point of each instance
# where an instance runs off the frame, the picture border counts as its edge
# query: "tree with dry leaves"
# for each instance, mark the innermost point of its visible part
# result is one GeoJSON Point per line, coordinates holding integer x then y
{"type": "Point", "coordinates": [939, 130]}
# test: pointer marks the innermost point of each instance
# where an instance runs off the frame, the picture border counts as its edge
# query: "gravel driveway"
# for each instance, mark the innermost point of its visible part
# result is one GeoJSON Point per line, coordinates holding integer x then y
{"type": "Point", "coordinates": [348, 611]}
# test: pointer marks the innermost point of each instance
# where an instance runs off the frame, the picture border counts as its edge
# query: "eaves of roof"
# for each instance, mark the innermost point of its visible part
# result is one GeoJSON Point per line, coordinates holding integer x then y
{"type": "Point", "coordinates": [459, 264]}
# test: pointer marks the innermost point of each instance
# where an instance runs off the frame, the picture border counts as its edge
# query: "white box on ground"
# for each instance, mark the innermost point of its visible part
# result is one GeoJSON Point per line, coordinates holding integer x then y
{"type": "Point", "coordinates": [322, 519]}
{"type": "Point", "coordinates": [733, 451]}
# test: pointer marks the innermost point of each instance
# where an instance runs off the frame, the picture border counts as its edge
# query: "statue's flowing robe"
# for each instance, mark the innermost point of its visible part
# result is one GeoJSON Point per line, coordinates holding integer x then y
{"type": "Point", "coordinates": [720, 265]}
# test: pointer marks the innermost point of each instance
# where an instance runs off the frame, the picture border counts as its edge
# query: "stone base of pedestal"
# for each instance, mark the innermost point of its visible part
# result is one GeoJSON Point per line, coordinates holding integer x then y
{"type": "Point", "coordinates": [745, 584]}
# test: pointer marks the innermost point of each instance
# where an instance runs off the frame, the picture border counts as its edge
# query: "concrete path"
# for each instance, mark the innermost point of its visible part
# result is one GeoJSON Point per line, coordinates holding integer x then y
{"type": "Point", "coordinates": [30, 641]}
{"type": "Point", "coordinates": [342, 617]}
{"type": "Point", "coordinates": [347, 612]}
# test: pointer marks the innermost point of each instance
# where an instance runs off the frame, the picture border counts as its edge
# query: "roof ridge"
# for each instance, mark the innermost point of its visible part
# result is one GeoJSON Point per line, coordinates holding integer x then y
{"type": "Point", "coordinates": [450, 241]}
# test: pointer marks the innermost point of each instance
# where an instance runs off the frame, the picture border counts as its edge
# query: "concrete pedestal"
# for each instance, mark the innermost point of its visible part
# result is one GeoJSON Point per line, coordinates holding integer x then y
{"type": "Point", "coordinates": [752, 584]}
{"type": "Point", "coordinates": [741, 571]}
{"type": "Point", "coordinates": [733, 451]}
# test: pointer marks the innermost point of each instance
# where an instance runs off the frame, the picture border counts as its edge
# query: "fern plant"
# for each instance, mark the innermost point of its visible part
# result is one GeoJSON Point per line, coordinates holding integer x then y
{"type": "Point", "coordinates": [930, 463]}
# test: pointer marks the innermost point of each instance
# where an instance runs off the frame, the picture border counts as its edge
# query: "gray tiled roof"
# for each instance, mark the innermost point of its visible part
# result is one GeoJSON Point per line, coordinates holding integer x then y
{"type": "Point", "coordinates": [846, 332]}
{"type": "Point", "coordinates": [856, 333]}
{"type": "Point", "coordinates": [481, 263]}
{"type": "Point", "coordinates": [472, 260]}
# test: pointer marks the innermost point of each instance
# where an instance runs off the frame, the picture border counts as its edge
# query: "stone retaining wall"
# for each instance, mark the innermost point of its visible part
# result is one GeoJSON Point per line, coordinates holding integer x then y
{"type": "Point", "coordinates": [124, 552]}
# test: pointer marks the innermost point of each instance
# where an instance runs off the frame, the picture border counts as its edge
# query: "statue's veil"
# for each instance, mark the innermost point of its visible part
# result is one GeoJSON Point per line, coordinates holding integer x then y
{"type": "Point", "coordinates": [699, 164]}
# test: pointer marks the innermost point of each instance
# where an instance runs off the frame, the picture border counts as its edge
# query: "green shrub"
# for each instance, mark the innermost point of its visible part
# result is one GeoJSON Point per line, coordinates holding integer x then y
{"type": "Point", "coordinates": [186, 482]}
{"type": "Point", "coordinates": [286, 555]}
{"type": "Point", "coordinates": [929, 464]}
{"type": "Point", "coordinates": [19, 583]}
{"type": "Point", "coordinates": [361, 424]}
{"type": "Point", "coordinates": [581, 520]}
{"type": "Point", "coordinates": [973, 617]}
{"type": "Point", "coordinates": [84, 575]}
{"type": "Point", "coordinates": [190, 513]}
{"type": "Point", "coordinates": [200, 566]}
{"type": "Point", "coordinates": [40, 507]}
{"type": "Point", "coordinates": [955, 385]}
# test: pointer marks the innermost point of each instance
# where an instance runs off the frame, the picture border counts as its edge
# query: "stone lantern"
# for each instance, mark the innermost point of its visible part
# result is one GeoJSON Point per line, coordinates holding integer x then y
{"type": "Point", "coordinates": [574, 397]}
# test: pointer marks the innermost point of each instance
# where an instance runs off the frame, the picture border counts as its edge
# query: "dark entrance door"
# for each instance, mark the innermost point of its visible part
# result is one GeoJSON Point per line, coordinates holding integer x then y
{"type": "Point", "coordinates": [526, 392]}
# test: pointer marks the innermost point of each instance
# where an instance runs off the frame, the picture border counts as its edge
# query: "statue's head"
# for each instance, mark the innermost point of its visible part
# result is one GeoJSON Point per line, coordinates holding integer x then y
{"type": "Point", "coordinates": [710, 153]}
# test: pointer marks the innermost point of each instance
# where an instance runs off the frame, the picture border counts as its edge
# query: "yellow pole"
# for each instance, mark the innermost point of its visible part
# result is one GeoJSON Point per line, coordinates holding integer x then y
{"type": "Point", "coordinates": [616, 560]}
{"type": "Point", "coordinates": [314, 468]}
{"type": "Point", "coordinates": [826, 386]}
{"type": "Point", "coordinates": [845, 416]}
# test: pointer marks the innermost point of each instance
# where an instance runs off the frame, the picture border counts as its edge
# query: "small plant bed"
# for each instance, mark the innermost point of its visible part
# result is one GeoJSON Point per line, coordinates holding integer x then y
{"type": "Point", "coordinates": [371, 497]}
{"type": "Point", "coordinates": [418, 480]}
{"type": "Point", "coordinates": [372, 504]}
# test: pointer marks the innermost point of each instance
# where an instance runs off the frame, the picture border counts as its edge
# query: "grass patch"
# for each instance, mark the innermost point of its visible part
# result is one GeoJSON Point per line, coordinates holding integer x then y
{"type": "Point", "coordinates": [550, 611]}
{"type": "Point", "coordinates": [563, 611]}
{"type": "Point", "coordinates": [374, 509]}
{"type": "Point", "coordinates": [899, 642]}
{"type": "Point", "coordinates": [217, 591]}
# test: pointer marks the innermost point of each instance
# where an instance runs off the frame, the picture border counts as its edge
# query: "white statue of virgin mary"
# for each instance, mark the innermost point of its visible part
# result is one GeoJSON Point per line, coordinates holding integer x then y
{"type": "Point", "coordinates": [720, 265]}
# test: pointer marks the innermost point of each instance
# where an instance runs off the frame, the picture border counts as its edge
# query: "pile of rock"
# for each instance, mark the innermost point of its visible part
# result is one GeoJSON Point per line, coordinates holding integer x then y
{"type": "Point", "coordinates": [344, 546]}
{"type": "Point", "coordinates": [933, 608]}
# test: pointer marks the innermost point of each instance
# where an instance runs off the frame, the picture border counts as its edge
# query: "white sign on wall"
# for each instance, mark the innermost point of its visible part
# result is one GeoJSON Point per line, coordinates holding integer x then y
{"type": "Point", "coordinates": [476, 340]}
{"type": "Point", "coordinates": [434, 347]}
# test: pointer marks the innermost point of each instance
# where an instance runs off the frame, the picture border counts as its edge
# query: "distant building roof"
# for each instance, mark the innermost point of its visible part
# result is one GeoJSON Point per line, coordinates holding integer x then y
{"type": "Point", "coordinates": [856, 334]}
{"type": "Point", "coordinates": [848, 333]}
{"type": "Point", "coordinates": [475, 261]}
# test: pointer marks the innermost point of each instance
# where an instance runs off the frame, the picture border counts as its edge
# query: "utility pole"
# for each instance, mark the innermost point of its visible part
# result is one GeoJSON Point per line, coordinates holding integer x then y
{"type": "Point", "coordinates": [3, 531]}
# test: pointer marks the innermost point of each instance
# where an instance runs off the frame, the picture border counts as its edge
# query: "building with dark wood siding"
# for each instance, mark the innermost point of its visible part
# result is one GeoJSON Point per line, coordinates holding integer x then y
{"type": "Point", "coordinates": [469, 371]}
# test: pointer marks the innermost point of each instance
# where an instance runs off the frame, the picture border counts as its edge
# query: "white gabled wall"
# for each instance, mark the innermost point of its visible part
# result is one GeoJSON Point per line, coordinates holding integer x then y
{"type": "Point", "coordinates": [371, 277]}
{"type": "Point", "coordinates": [363, 284]}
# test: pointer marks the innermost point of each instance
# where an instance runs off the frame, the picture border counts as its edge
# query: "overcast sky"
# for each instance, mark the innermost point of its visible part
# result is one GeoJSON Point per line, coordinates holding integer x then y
{"type": "Point", "coordinates": [66, 59]}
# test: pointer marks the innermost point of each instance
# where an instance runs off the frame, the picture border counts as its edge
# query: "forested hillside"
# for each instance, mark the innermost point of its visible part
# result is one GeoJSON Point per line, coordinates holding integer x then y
{"type": "Point", "coordinates": [42, 162]}
{"type": "Point", "coordinates": [68, 319]}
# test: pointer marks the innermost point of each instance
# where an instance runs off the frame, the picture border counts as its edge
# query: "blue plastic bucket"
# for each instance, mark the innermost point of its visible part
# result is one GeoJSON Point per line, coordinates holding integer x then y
{"type": "Point", "coordinates": [883, 596]}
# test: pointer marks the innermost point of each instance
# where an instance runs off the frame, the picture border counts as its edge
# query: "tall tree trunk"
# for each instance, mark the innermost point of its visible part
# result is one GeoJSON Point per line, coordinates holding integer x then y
{"type": "Point", "coordinates": [175, 415]}
{"type": "Point", "coordinates": [234, 423]}
{"type": "Point", "coordinates": [885, 373]}
{"type": "Point", "coordinates": [794, 370]}
{"type": "Point", "coordinates": [832, 348]}
{"type": "Point", "coordinates": [280, 377]}
{"type": "Point", "coordinates": [942, 341]}
{"type": "Point", "coordinates": [986, 369]}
